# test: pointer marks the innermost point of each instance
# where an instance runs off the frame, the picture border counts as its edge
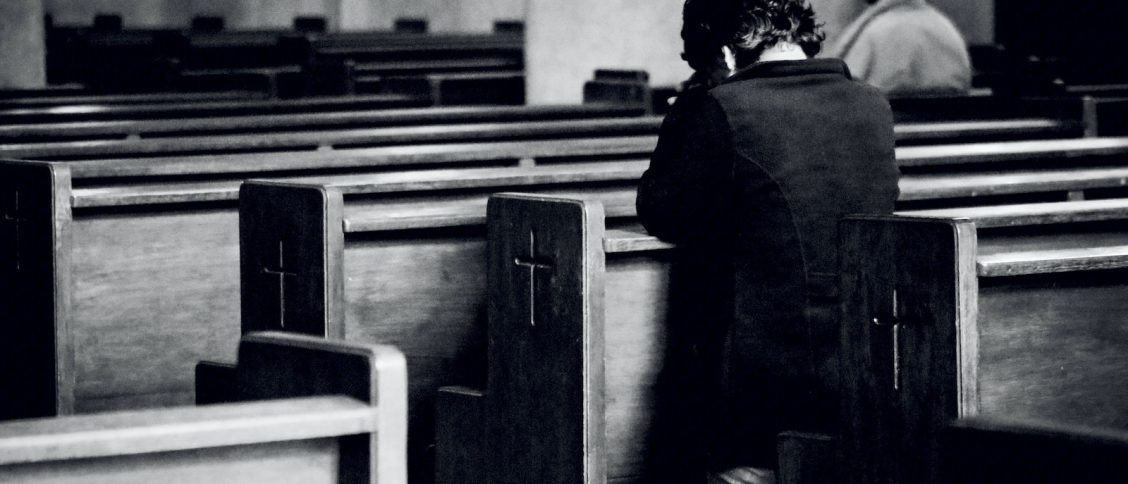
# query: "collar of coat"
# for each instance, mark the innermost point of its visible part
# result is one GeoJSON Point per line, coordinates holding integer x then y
{"type": "Point", "coordinates": [805, 67]}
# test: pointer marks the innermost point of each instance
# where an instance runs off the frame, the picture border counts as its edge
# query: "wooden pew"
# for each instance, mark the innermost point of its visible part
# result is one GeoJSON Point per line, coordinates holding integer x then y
{"type": "Point", "coordinates": [311, 140]}
{"type": "Point", "coordinates": [93, 247]}
{"type": "Point", "coordinates": [909, 134]}
{"type": "Point", "coordinates": [570, 290]}
{"type": "Point", "coordinates": [972, 320]}
{"type": "Point", "coordinates": [461, 88]}
{"type": "Point", "coordinates": [408, 46]}
{"type": "Point", "coordinates": [438, 254]}
{"type": "Point", "coordinates": [67, 241]}
{"type": "Point", "coordinates": [141, 129]}
{"type": "Point", "coordinates": [123, 99]}
{"type": "Point", "coordinates": [993, 450]}
{"type": "Point", "coordinates": [311, 410]}
{"type": "Point", "coordinates": [63, 114]}
{"type": "Point", "coordinates": [95, 207]}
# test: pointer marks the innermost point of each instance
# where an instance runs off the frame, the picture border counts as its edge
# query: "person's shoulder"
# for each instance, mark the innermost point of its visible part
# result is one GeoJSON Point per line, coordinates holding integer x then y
{"type": "Point", "coordinates": [695, 102]}
{"type": "Point", "coordinates": [911, 20]}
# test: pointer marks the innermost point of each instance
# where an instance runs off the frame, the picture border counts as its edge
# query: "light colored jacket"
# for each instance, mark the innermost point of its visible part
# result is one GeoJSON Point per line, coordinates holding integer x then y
{"type": "Point", "coordinates": [905, 48]}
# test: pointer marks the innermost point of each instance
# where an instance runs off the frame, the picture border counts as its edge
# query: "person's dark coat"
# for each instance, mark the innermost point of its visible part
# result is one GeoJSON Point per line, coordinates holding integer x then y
{"type": "Point", "coordinates": [750, 179]}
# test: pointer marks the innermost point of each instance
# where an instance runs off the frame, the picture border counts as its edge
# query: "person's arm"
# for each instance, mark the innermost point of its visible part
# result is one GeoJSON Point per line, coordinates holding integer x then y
{"type": "Point", "coordinates": [688, 171]}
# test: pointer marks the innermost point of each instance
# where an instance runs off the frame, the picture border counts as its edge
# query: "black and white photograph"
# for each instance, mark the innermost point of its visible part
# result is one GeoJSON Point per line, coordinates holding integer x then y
{"type": "Point", "coordinates": [563, 241]}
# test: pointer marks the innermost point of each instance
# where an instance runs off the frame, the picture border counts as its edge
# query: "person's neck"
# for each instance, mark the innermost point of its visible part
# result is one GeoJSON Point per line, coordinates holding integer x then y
{"type": "Point", "coordinates": [783, 51]}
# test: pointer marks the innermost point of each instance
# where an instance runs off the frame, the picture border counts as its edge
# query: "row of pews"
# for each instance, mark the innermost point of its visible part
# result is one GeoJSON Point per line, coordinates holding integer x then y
{"type": "Point", "coordinates": [133, 250]}
{"type": "Point", "coordinates": [444, 68]}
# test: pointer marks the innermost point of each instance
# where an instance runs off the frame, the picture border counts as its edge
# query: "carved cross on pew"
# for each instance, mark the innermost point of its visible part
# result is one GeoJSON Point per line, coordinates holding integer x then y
{"type": "Point", "coordinates": [894, 323]}
{"type": "Point", "coordinates": [280, 272]}
{"type": "Point", "coordinates": [531, 265]}
{"type": "Point", "coordinates": [13, 217]}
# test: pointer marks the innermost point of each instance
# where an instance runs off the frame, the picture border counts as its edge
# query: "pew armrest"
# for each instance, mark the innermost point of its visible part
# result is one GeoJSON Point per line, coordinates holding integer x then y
{"type": "Point", "coordinates": [460, 446]}
{"type": "Point", "coordinates": [181, 429]}
{"type": "Point", "coordinates": [807, 458]}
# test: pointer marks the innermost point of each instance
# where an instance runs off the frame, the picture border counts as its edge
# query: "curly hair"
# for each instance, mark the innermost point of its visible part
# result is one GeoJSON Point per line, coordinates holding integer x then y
{"type": "Point", "coordinates": [747, 26]}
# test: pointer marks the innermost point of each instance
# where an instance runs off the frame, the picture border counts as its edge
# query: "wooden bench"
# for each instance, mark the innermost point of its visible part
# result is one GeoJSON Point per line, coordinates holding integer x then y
{"type": "Point", "coordinates": [141, 129]}
{"type": "Point", "coordinates": [415, 270]}
{"type": "Point", "coordinates": [310, 140]}
{"type": "Point", "coordinates": [311, 410]}
{"type": "Point", "coordinates": [94, 239]}
{"type": "Point", "coordinates": [461, 88]}
{"type": "Point", "coordinates": [976, 320]}
{"type": "Point", "coordinates": [87, 99]}
{"type": "Point", "coordinates": [404, 46]}
{"type": "Point", "coordinates": [576, 311]}
{"type": "Point", "coordinates": [63, 114]}
{"type": "Point", "coordinates": [1003, 450]}
{"type": "Point", "coordinates": [933, 133]}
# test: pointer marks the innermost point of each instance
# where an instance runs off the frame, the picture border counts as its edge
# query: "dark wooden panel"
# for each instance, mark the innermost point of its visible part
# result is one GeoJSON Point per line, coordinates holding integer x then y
{"type": "Point", "coordinates": [291, 266]}
{"type": "Point", "coordinates": [216, 383]}
{"type": "Point", "coordinates": [909, 346]}
{"type": "Point", "coordinates": [35, 290]}
{"type": "Point", "coordinates": [544, 342]}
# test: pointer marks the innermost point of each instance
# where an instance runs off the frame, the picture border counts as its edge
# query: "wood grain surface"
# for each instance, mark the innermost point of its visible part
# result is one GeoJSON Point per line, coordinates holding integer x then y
{"type": "Point", "coordinates": [160, 128]}
{"type": "Point", "coordinates": [214, 108]}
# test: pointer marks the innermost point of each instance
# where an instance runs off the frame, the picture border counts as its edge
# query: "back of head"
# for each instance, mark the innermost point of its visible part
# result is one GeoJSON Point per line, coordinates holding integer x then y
{"type": "Point", "coordinates": [748, 27]}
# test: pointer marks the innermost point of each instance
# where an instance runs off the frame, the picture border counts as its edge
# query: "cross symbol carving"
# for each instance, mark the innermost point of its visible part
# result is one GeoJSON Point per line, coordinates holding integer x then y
{"type": "Point", "coordinates": [13, 217]}
{"type": "Point", "coordinates": [531, 265]}
{"type": "Point", "coordinates": [280, 272]}
{"type": "Point", "coordinates": [894, 323]}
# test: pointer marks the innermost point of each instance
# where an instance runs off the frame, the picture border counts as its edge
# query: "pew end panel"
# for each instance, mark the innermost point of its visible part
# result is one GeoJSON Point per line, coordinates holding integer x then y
{"type": "Point", "coordinates": [291, 254]}
{"type": "Point", "coordinates": [546, 346]}
{"type": "Point", "coordinates": [908, 341]}
{"type": "Point", "coordinates": [350, 428]}
{"type": "Point", "coordinates": [36, 358]}
{"type": "Point", "coordinates": [984, 450]}
{"type": "Point", "coordinates": [1105, 116]}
